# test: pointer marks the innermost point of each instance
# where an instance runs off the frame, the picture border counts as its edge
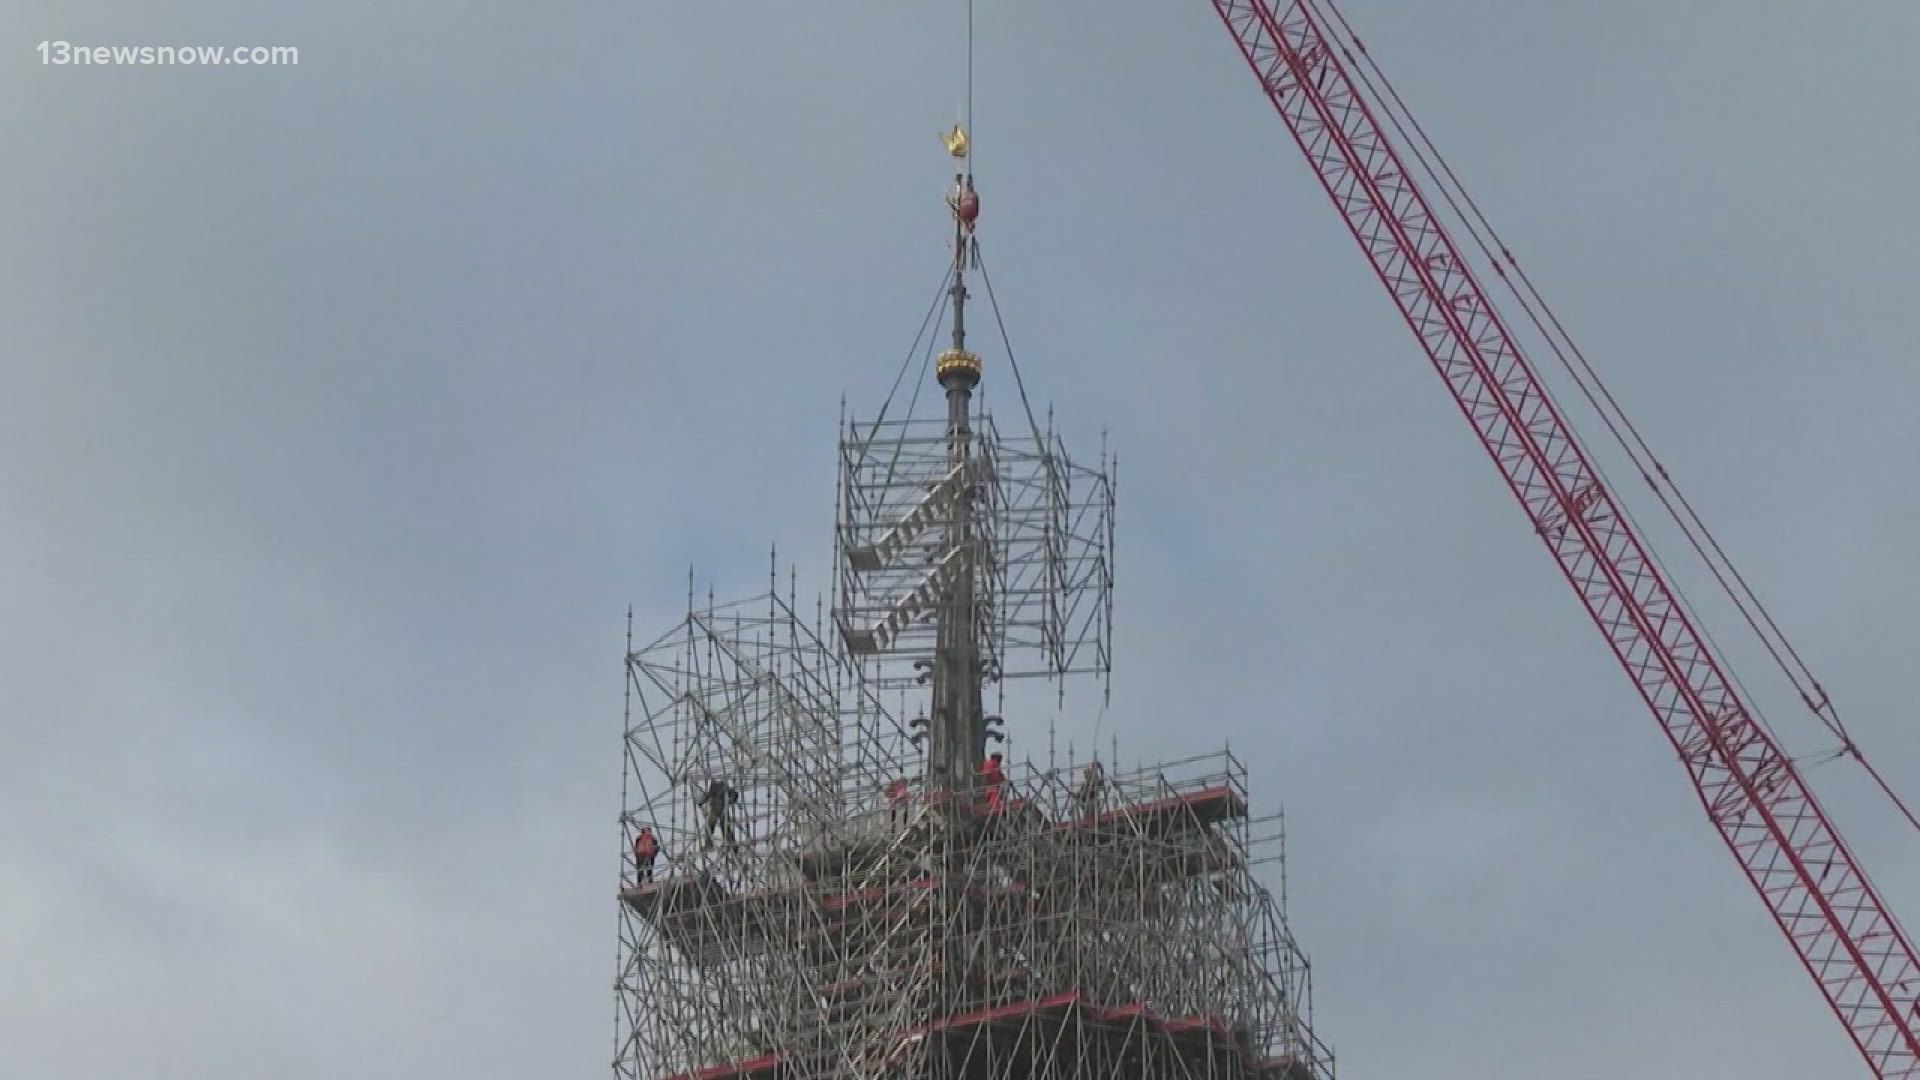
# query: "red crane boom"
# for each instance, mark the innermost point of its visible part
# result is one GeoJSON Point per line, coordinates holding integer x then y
{"type": "Point", "coordinates": [1843, 932]}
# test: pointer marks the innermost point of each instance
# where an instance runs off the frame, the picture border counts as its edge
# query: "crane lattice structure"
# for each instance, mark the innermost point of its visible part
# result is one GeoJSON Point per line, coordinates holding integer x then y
{"type": "Point", "coordinates": [1429, 244]}
{"type": "Point", "coordinates": [876, 903]}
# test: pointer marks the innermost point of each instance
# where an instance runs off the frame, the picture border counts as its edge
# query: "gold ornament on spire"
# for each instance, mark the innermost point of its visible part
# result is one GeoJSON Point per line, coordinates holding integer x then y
{"type": "Point", "coordinates": [956, 140]}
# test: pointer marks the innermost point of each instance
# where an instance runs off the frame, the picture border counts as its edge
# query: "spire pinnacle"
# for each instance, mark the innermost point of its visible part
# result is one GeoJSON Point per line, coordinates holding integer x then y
{"type": "Point", "coordinates": [958, 368]}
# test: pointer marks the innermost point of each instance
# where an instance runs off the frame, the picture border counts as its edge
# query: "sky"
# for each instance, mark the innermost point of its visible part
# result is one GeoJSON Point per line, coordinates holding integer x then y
{"type": "Point", "coordinates": [349, 406]}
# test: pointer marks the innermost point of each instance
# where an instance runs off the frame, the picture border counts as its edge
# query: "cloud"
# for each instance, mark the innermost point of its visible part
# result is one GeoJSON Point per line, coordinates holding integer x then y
{"type": "Point", "coordinates": [348, 407]}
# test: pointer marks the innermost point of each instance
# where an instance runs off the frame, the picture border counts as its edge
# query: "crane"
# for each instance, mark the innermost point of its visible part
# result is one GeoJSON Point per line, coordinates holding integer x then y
{"type": "Point", "coordinates": [1369, 155]}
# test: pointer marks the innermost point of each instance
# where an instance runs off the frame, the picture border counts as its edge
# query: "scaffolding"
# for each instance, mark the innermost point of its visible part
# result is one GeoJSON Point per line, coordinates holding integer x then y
{"type": "Point", "coordinates": [1044, 531]}
{"type": "Point", "coordinates": [849, 921]}
{"type": "Point", "coordinates": [827, 891]}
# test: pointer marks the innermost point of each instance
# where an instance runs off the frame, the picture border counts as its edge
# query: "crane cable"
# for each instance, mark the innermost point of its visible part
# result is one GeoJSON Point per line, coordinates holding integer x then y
{"type": "Point", "coordinates": [1041, 444]}
{"type": "Point", "coordinates": [1619, 424]}
{"type": "Point", "coordinates": [968, 114]}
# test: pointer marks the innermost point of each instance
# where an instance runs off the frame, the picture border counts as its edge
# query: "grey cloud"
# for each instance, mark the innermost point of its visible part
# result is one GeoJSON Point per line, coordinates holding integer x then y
{"type": "Point", "coordinates": [349, 405]}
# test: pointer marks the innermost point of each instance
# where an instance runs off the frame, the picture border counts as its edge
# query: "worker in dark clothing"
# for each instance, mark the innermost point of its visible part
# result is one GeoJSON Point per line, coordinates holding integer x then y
{"type": "Point", "coordinates": [993, 780]}
{"type": "Point", "coordinates": [646, 848]}
{"type": "Point", "coordinates": [1093, 784]}
{"type": "Point", "coordinates": [717, 804]}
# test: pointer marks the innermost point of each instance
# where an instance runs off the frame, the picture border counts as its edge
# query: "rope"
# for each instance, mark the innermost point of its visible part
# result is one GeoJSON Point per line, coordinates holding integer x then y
{"type": "Point", "coordinates": [1007, 343]}
{"type": "Point", "coordinates": [920, 339]}
{"type": "Point", "coordinates": [933, 309]}
{"type": "Point", "coordinates": [1679, 509]}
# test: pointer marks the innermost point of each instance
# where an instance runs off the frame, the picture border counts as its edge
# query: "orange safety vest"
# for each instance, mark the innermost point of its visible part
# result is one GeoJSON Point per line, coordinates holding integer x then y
{"type": "Point", "coordinates": [644, 845]}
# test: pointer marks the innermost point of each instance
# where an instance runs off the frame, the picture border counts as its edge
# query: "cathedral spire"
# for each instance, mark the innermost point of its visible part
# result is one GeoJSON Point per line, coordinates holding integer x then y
{"type": "Point", "coordinates": [957, 725]}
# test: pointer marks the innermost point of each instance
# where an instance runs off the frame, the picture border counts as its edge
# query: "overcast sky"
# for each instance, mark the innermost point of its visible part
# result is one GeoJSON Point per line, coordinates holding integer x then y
{"type": "Point", "coordinates": [348, 405]}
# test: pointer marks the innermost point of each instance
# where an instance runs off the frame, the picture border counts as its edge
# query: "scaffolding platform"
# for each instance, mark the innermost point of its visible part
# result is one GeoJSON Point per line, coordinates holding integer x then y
{"type": "Point", "coordinates": [675, 900]}
{"type": "Point", "coordinates": [1188, 809]}
{"type": "Point", "coordinates": [669, 896]}
{"type": "Point", "coordinates": [707, 924]}
{"type": "Point", "coordinates": [1044, 1021]}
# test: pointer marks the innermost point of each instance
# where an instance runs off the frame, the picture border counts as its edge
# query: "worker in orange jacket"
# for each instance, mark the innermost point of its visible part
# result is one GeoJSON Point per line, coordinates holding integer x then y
{"type": "Point", "coordinates": [897, 801]}
{"type": "Point", "coordinates": [646, 848]}
{"type": "Point", "coordinates": [993, 780]}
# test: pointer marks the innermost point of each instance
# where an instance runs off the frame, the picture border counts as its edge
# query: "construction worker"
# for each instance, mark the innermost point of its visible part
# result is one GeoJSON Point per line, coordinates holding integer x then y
{"type": "Point", "coordinates": [993, 779]}
{"type": "Point", "coordinates": [1093, 784]}
{"type": "Point", "coordinates": [646, 848]}
{"type": "Point", "coordinates": [717, 804]}
{"type": "Point", "coordinates": [897, 802]}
